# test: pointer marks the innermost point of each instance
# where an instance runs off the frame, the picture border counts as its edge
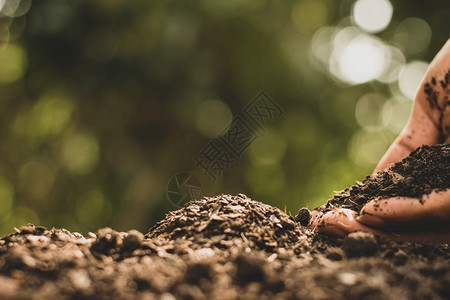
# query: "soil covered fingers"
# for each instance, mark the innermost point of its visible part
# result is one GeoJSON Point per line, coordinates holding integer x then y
{"type": "Point", "coordinates": [342, 222]}
{"type": "Point", "coordinates": [339, 223]}
{"type": "Point", "coordinates": [405, 213]}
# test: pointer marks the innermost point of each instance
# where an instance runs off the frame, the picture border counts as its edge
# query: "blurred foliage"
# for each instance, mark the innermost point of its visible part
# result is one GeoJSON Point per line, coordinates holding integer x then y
{"type": "Point", "coordinates": [103, 101]}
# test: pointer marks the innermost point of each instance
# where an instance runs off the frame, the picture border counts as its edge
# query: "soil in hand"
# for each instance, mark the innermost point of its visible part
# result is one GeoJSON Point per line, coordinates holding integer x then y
{"type": "Point", "coordinates": [425, 170]}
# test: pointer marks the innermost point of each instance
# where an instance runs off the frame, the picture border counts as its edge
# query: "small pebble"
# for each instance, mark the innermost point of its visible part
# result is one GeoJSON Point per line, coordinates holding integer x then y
{"type": "Point", "coordinates": [249, 268]}
{"type": "Point", "coordinates": [133, 240]}
{"type": "Point", "coordinates": [303, 217]}
{"type": "Point", "coordinates": [335, 254]}
{"type": "Point", "coordinates": [400, 257]}
{"type": "Point", "coordinates": [359, 244]}
{"type": "Point", "coordinates": [106, 241]}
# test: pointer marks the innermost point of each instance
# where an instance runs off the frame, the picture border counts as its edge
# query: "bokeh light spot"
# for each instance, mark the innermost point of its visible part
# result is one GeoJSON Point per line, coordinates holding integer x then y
{"type": "Point", "coordinates": [393, 65]}
{"type": "Point", "coordinates": [179, 36]}
{"type": "Point", "coordinates": [372, 15]}
{"type": "Point", "coordinates": [19, 216]}
{"type": "Point", "coordinates": [410, 77]}
{"type": "Point", "coordinates": [80, 153]}
{"type": "Point", "coordinates": [413, 35]}
{"type": "Point", "coordinates": [359, 61]}
{"type": "Point", "coordinates": [50, 115]}
{"type": "Point", "coordinates": [14, 8]}
{"type": "Point", "coordinates": [310, 15]}
{"type": "Point", "coordinates": [5, 34]}
{"type": "Point", "coordinates": [6, 196]}
{"type": "Point", "coordinates": [307, 137]}
{"type": "Point", "coordinates": [367, 147]}
{"type": "Point", "coordinates": [231, 6]}
{"type": "Point", "coordinates": [93, 209]}
{"type": "Point", "coordinates": [35, 179]}
{"type": "Point", "coordinates": [320, 43]}
{"type": "Point", "coordinates": [8, 7]}
{"type": "Point", "coordinates": [269, 148]}
{"type": "Point", "coordinates": [396, 113]}
{"type": "Point", "coordinates": [12, 63]}
{"type": "Point", "coordinates": [212, 117]}
{"type": "Point", "coordinates": [266, 179]}
{"type": "Point", "coordinates": [368, 111]}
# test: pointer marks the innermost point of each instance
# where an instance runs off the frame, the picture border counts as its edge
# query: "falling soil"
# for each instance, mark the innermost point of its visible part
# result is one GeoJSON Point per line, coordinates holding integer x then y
{"type": "Point", "coordinates": [232, 247]}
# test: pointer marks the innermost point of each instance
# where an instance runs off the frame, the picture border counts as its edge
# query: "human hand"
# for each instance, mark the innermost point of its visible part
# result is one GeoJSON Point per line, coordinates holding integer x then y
{"type": "Point", "coordinates": [402, 218]}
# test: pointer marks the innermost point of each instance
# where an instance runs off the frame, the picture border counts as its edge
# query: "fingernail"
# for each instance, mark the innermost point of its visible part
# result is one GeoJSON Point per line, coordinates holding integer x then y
{"type": "Point", "coordinates": [370, 220]}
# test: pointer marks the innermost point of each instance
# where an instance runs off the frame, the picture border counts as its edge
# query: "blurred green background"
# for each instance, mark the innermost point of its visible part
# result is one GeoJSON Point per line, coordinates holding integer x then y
{"type": "Point", "coordinates": [103, 101]}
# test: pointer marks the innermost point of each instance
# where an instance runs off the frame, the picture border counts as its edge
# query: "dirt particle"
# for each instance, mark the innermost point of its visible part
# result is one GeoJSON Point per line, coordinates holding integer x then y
{"type": "Point", "coordinates": [133, 240]}
{"type": "Point", "coordinates": [249, 268]}
{"type": "Point", "coordinates": [303, 216]}
{"type": "Point", "coordinates": [335, 254]}
{"type": "Point", "coordinates": [198, 271]}
{"type": "Point", "coordinates": [106, 241]}
{"type": "Point", "coordinates": [400, 257]}
{"type": "Point", "coordinates": [427, 89]}
{"type": "Point", "coordinates": [358, 244]}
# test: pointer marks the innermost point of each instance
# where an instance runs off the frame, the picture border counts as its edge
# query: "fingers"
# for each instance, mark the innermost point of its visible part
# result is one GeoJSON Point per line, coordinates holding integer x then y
{"type": "Point", "coordinates": [341, 222]}
{"type": "Point", "coordinates": [432, 210]}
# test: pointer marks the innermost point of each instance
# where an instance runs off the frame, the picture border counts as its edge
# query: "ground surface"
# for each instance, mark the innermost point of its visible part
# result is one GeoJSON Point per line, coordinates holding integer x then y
{"type": "Point", "coordinates": [227, 247]}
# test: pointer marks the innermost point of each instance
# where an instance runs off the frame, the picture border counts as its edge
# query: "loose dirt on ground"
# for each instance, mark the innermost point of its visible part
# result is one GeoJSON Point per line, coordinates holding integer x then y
{"type": "Point", "coordinates": [232, 247]}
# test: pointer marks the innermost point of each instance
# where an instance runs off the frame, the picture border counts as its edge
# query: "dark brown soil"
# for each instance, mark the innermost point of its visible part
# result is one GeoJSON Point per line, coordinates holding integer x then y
{"type": "Point", "coordinates": [231, 247]}
{"type": "Point", "coordinates": [426, 169]}
{"type": "Point", "coordinates": [226, 247]}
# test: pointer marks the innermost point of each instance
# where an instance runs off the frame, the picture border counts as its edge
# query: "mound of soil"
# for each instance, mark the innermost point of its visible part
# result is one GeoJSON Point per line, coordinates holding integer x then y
{"type": "Point", "coordinates": [226, 247]}
{"type": "Point", "coordinates": [425, 170]}
{"type": "Point", "coordinates": [232, 247]}
{"type": "Point", "coordinates": [224, 220]}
